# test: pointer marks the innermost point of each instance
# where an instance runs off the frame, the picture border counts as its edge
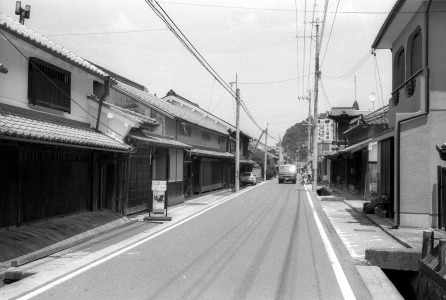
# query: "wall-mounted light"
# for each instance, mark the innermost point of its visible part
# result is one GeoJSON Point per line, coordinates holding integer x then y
{"type": "Point", "coordinates": [155, 155]}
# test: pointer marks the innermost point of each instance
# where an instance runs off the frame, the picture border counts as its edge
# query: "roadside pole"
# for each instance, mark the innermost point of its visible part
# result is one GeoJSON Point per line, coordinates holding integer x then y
{"type": "Point", "coordinates": [266, 153]}
{"type": "Point", "coordinates": [315, 118]}
{"type": "Point", "coordinates": [237, 139]}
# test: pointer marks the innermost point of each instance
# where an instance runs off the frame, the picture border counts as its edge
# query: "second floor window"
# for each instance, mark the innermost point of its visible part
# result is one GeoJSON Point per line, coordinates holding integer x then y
{"type": "Point", "coordinates": [49, 85]}
{"type": "Point", "coordinates": [185, 130]}
{"type": "Point", "coordinates": [416, 53]}
{"type": "Point", "coordinates": [206, 135]}
{"type": "Point", "coordinates": [400, 70]}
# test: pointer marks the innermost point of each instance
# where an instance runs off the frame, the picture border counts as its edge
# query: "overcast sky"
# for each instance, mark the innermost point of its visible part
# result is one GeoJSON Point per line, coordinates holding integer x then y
{"type": "Point", "coordinates": [255, 39]}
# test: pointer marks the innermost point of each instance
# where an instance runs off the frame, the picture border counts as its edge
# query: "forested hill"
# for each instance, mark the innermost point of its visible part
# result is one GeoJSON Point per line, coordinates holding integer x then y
{"type": "Point", "coordinates": [295, 141]}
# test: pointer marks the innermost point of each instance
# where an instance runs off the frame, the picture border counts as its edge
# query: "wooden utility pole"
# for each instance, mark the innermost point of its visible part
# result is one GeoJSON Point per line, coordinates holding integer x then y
{"type": "Point", "coordinates": [315, 126]}
{"type": "Point", "coordinates": [266, 153]}
{"type": "Point", "coordinates": [237, 138]}
{"type": "Point", "coordinates": [309, 133]}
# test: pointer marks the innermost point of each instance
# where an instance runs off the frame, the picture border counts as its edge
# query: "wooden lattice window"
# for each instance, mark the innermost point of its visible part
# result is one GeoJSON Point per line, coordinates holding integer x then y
{"type": "Point", "coordinates": [206, 135]}
{"type": "Point", "coordinates": [49, 85]}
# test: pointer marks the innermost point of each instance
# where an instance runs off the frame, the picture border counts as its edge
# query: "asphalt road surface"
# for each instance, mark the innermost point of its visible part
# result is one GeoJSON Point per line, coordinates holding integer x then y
{"type": "Point", "coordinates": [262, 244]}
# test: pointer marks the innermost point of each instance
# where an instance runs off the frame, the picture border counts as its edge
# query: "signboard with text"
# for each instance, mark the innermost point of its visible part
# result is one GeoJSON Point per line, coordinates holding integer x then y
{"type": "Point", "coordinates": [159, 188]}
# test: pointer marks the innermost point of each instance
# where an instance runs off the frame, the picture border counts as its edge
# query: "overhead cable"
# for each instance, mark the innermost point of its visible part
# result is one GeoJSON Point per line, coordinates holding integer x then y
{"type": "Point", "coordinates": [293, 10]}
{"type": "Point", "coordinates": [161, 13]}
{"type": "Point", "coordinates": [329, 35]}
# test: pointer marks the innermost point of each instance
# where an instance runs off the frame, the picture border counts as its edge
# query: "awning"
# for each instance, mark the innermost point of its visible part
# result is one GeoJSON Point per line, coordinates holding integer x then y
{"type": "Point", "coordinates": [28, 125]}
{"type": "Point", "coordinates": [355, 147]}
{"type": "Point", "coordinates": [209, 153]}
{"type": "Point", "coordinates": [146, 138]}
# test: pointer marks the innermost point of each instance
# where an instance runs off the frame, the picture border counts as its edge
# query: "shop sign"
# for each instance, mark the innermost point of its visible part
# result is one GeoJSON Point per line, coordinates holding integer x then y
{"type": "Point", "coordinates": [159, 188]}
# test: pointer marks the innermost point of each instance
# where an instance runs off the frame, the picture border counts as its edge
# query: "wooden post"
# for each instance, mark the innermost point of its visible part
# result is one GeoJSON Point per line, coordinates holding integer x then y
{"type": "Point", "coordinates": [428, 243]}
{"type": "Point", "coordinates": [442, 248]}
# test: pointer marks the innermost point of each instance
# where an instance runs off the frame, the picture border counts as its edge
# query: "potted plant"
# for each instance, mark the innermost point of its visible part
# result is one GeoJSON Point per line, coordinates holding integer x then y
{"type": "Point", "coordinates": [378, 204]}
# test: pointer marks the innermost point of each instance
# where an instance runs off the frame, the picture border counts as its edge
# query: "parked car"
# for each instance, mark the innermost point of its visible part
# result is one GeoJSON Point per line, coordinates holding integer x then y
{"type": "Point", "coordinates": [287, 173]}
{"type": "Point", "coordinates": [248, 178]}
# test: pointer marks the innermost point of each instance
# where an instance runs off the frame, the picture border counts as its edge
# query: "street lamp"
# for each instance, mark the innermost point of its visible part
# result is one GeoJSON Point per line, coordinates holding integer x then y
{"type": "Point", "coordinates": [372, 98]}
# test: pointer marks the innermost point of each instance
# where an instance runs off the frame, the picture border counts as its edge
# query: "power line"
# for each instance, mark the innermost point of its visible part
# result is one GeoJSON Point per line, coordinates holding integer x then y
{"type": "Point", "coordinates": [293, 10]}
{"type": "Point", "coordinates": [108, 32]}
{"type": "Point", "coordinates": [379, 78]}
{"type": "Point", "coordinates": [162, 14]}
{"type": "Point", "coordinates": [305, 44]}
{"type": "Point", "coordinates": [277, 81]}
{"type": "Point", "coordinates": [325, 94]}
{"type": "Point", "coordinates": [352, 70]}
{"type": "Point", "coordinates": [329, 35]}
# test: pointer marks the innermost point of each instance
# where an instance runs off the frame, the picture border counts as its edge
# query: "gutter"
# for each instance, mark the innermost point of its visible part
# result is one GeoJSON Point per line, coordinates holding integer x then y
{"type": "Point", "coordinates": [101, 100]}
{"type": "Point", "coordinates": [426, 112]}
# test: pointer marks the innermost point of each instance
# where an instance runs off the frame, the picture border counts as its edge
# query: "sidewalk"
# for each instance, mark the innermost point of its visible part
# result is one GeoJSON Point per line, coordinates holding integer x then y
{"type": "Point", "coordinates": [384, 254]}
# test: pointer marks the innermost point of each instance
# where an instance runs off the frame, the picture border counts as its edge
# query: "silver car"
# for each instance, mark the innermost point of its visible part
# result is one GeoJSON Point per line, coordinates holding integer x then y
{"type": "Point", "coordinates": [248, 178]}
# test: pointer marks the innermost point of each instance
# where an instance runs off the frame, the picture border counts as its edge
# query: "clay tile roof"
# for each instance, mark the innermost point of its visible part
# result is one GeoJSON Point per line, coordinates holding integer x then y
{"type": "Point", "coordinates": [26, 124]}
{"type": "Point", "coordinates": [38, 40]}
{"type": "Point", "coordinates": [134, 115]}
{"type": "Point", "coordinates": [170, 109]}
{"type": "Point", "coordinates": [157, 140]}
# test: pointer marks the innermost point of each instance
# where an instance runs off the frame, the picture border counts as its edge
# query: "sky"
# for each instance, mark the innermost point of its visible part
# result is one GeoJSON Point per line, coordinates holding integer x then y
{"type": "Point", "coordinates": [268, 45]}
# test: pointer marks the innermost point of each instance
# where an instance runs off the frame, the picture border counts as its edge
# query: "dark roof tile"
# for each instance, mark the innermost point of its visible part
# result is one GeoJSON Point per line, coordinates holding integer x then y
{"type": "Point", "coordinates": [33, 125]}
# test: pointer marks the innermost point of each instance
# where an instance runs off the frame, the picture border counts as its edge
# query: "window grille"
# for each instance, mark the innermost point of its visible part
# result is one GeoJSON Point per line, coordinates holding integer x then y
{"type": "Point", "coordinates": [49, 85]}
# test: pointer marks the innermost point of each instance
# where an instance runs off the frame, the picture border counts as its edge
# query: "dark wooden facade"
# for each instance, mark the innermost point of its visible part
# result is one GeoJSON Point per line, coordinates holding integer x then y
{"type": "Point", "coordinates": [140, 181]}
{"type": "Point", "coordinates": [43, 181]}
{"type": "Point", "coordinates": [386, 174]}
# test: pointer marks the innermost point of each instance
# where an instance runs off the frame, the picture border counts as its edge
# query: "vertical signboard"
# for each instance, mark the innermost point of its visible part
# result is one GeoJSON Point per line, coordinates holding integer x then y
{"type": "Point", "coordinates": [159, 188]}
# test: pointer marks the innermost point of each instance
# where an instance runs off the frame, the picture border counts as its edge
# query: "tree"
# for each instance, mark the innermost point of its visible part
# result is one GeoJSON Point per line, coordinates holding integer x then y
{"type": "Point", "coordinates": [295, 141]}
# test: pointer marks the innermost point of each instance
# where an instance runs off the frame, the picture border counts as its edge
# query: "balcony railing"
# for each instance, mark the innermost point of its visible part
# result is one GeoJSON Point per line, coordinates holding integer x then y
{"type": "Point", "coordinates": [410, 86]}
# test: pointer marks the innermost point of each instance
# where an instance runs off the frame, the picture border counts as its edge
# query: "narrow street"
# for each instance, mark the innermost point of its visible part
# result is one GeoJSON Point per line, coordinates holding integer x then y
{"type": "Point", "coordinates": [263, 244]}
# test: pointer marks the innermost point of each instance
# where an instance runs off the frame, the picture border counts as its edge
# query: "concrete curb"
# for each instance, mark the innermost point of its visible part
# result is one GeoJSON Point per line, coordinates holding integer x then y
{"type": "Point", "coordinates": [383, 227]}
{"type": "Point", "coordinates": [379, 286]}
{"type": "Point", "coordinates": [65, 244]}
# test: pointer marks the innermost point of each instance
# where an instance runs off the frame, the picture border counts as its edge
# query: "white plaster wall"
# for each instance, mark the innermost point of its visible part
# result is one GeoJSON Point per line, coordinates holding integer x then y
{"type": "Point", "coordinates": [437, 57]}
{"type": "Point", "coordinates": [437, 122]}
{"type": "Point", "coordinates": [14, 85]}
{"type": "Point", "coordinates": [414, 174]}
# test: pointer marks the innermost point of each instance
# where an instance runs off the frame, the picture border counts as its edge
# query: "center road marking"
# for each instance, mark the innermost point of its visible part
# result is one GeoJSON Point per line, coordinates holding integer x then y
{"type": "Point", "coordinates": [119, 252]}
{"type": "Point", "coordinates": [339, 273]}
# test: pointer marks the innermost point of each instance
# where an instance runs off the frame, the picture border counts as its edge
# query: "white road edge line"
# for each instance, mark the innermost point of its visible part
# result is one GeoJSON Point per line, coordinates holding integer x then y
{"type": "Point", "coordinates": [119, 252]}
{"type": "Point", "coordinates": [339, 273]}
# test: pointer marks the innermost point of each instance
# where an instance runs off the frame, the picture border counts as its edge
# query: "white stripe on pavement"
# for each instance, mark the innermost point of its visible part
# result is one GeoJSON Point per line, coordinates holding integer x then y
{"type": "Point", "coordinates": [339, 273]}
{"type": "Point", "coordinates": [119, 252]}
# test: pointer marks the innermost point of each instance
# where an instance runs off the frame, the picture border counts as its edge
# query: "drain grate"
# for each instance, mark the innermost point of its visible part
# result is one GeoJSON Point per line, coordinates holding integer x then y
{"type": "Point", "coordinates": [364, 230]}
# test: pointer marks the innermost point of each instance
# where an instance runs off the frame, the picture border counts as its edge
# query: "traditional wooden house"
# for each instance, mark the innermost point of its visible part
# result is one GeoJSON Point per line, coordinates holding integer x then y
{"type": "Point", "coordinates": [157, 154]}
{"type": "Point", "coordinates": [414, 32]}
{"type": "Point", "coordinates": [210, 164]}
{"type": "Point", "coordinates": [60, 152]}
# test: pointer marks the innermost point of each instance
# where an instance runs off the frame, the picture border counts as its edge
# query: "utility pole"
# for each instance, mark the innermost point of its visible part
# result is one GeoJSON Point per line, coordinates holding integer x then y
{"type": "Point", "coordinates": [316, 127]}
{"type": "Point", "coordinates": [309, 130]}
{"type": "Point", "coordinates": [266, 153]}
{"type": "Point", "coordinates": [237, 137]}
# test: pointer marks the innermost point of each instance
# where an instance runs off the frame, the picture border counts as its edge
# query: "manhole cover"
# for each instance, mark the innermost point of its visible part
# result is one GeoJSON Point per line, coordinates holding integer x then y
{"type": "Point", "coordinates": [365, 230]}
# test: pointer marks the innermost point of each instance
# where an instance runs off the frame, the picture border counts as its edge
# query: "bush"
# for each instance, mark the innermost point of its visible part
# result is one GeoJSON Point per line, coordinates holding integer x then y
{"type": "Point", "coordinates": [376, 200]}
